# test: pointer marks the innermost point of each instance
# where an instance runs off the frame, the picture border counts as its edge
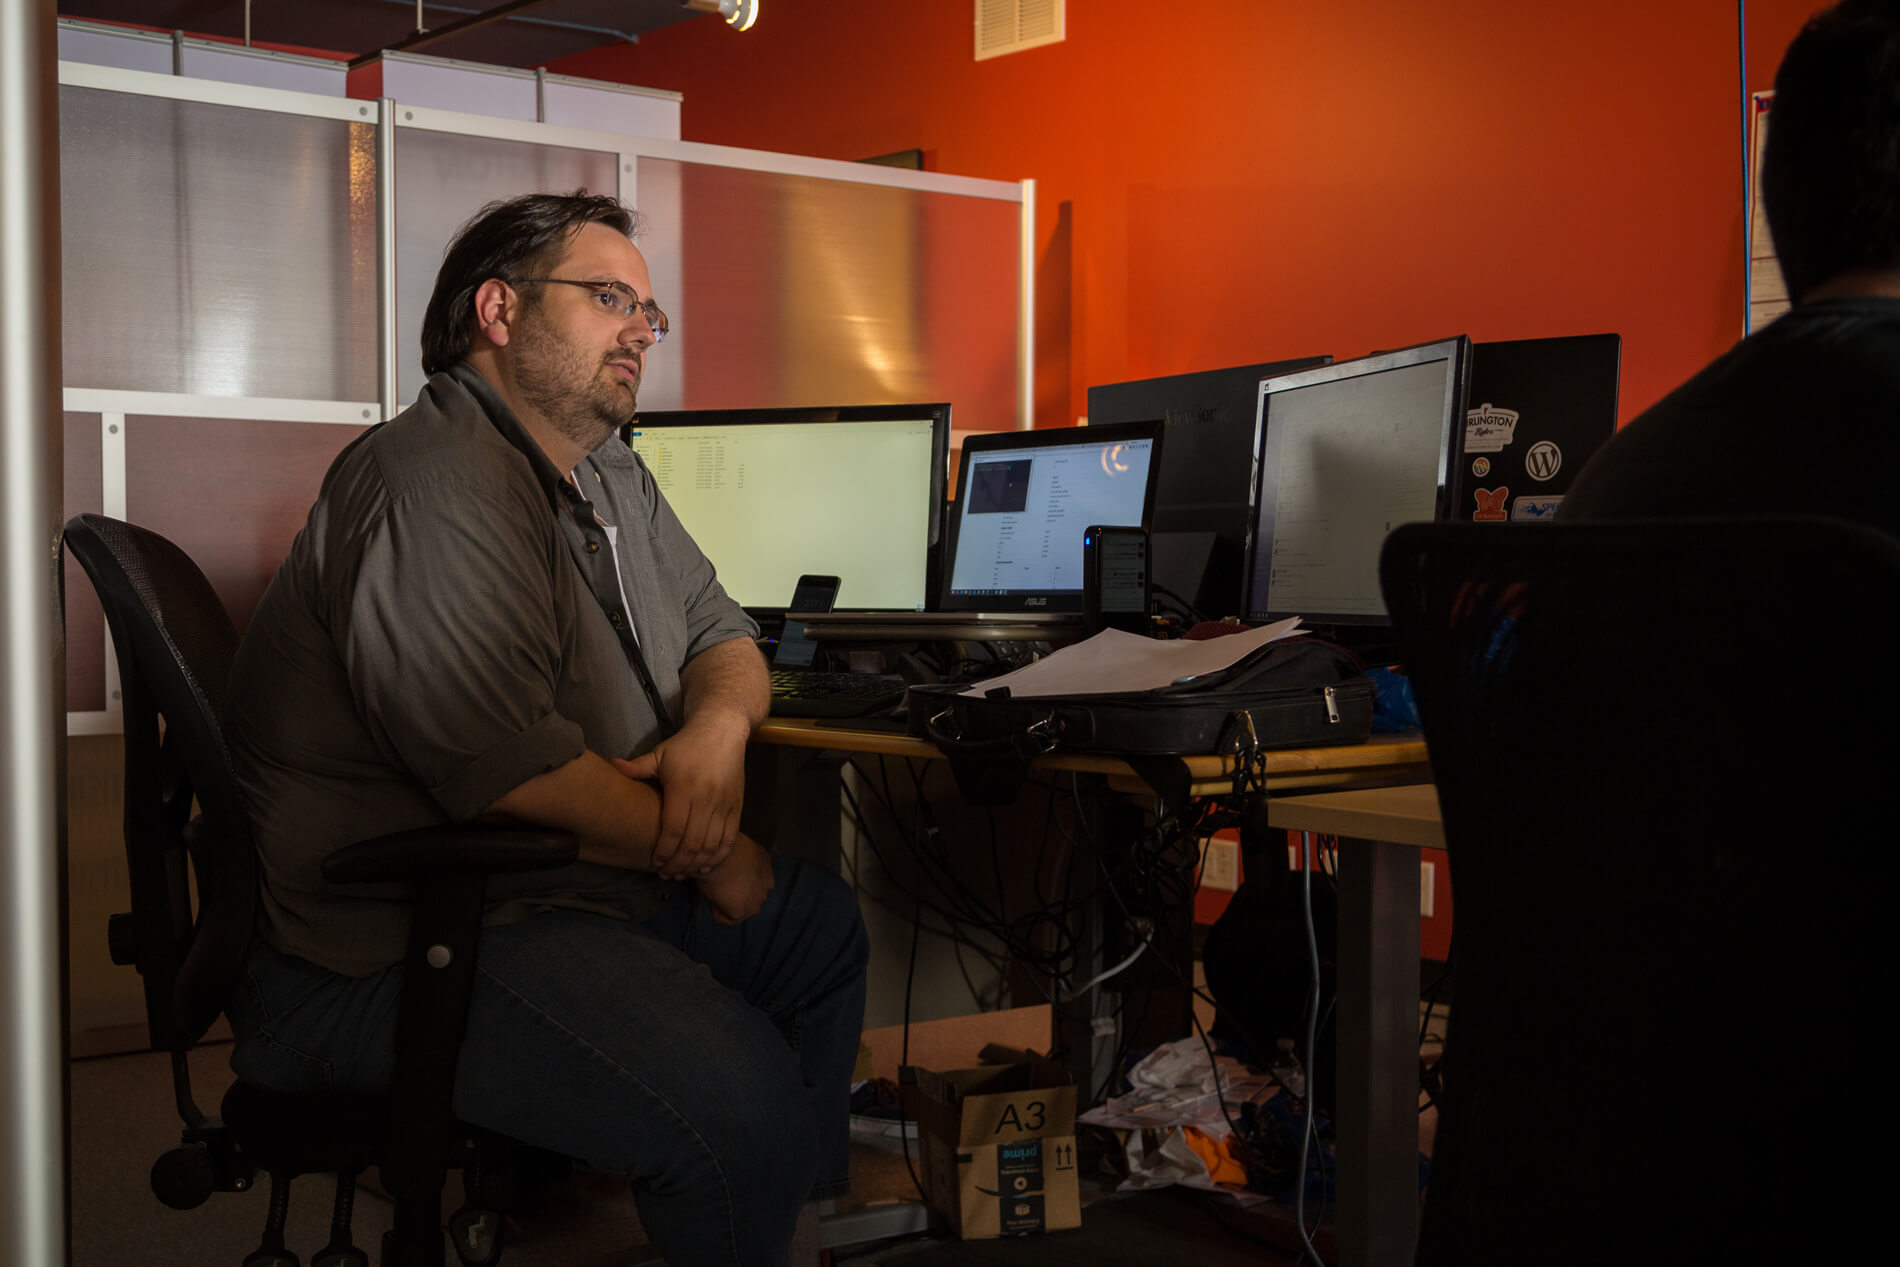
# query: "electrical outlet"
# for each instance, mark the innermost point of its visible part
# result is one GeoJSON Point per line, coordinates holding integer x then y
{"type": "Point", "coordinates": [1427, 877]}
{"type": "Point", "coordinates": [1220, 865]}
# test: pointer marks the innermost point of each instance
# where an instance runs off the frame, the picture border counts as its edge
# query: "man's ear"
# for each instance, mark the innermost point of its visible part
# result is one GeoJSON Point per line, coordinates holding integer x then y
{"type": "Point", "coordinates": [496, 306]}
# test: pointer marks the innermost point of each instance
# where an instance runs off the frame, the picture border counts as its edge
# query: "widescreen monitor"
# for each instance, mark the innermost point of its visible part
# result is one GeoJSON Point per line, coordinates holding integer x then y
{"type": "Point", "coordinates": [1203, 497]}
{"type": "Point", "coordinates": [1023, 500]}
{"type": "Point", "coordinates": [774, 494]}
{"type": "Point", "coordinates": [1349, 452]}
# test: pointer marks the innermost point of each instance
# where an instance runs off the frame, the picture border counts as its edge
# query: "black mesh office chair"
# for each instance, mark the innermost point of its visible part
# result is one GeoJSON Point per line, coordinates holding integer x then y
{"type": "Point", "coordinates": [175, 645]}
{"type": "Point", "coordinates": [1662, 752]}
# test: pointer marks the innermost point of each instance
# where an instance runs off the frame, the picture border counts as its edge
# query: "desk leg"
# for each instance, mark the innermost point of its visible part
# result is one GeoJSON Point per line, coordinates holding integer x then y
{"type": "Point", "coordinates": [1378, 1054]}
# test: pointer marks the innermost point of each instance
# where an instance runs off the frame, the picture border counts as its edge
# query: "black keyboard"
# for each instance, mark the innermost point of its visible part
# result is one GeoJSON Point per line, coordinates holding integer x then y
{"type": "Point", "coordinates": [806, 694]}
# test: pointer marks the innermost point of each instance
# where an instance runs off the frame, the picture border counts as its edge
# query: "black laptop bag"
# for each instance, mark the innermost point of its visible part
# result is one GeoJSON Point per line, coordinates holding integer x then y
{"type": "Point", "coordinates": [1296, 693]}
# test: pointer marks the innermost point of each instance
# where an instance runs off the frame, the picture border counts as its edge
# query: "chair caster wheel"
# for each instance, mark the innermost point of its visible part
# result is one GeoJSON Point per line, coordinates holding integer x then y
{"type": "Point", "coordinates": [183, 1177]}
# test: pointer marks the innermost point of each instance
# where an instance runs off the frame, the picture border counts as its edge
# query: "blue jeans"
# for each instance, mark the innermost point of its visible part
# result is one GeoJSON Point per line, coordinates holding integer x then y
{"type": "Point", "coordinates": [710, 1064]}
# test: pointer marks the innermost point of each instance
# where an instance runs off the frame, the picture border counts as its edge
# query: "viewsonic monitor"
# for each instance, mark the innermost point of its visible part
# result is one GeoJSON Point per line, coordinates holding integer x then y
{"type": "Point", "coordinates": [1204, 495]}
{"type": "Point", "coordinates": [774, 494]}
{"type": "Point", "coordinates": [1348, 453]}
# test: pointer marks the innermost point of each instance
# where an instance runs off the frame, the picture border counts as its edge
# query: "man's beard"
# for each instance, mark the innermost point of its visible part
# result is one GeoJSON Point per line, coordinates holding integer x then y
{"type": "Point", "coordinates": [585, 402]}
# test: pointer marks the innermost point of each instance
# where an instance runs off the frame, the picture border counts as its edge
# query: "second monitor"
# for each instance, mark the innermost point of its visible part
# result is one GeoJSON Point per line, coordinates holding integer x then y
{"type": "Point", "coordinates": [1348, 453]}
{"type": "Point", "coordinates": [773, 494]}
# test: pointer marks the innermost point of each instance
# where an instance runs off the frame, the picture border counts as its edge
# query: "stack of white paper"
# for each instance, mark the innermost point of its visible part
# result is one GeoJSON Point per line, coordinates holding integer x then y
{"type": "Point", "coordinates": [1115, 660]}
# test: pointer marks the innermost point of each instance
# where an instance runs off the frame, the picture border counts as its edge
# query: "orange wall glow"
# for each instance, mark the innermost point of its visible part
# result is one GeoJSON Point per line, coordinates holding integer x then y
{"type": "Point", "coordinates": [1237, 182]}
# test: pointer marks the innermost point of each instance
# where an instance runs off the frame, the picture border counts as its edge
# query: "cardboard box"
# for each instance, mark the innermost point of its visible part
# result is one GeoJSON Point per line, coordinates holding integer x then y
{"type": "Point", "coordinates": [998, 1148]}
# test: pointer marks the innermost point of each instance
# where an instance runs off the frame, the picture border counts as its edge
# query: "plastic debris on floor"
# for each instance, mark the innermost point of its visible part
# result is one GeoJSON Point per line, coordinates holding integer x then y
{"type": "Point", "coordinates": [1178, 1119]}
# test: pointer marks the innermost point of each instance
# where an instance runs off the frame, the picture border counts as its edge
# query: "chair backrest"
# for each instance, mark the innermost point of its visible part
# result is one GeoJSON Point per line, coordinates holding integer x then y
{"type": "Point", "coordinates": [175, 644]}
{"type": "Point", "coordinates": [1661, 764]}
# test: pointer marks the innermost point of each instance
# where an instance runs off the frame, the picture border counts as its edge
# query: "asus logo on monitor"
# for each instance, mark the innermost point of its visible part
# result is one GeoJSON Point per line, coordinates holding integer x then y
{"type": "Point", "coordinates": [1040, 600]}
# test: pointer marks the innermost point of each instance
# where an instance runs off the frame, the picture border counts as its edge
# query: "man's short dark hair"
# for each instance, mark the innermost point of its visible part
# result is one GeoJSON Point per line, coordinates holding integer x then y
{"type": "Point", "coordinates": [512, 238]}
{"type": "Point", "coordinates": [1830, 179]}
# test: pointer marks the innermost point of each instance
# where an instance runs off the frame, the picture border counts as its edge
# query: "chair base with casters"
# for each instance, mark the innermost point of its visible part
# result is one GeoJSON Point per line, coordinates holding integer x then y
{"type": "Point", "coordinates": [175, 645]}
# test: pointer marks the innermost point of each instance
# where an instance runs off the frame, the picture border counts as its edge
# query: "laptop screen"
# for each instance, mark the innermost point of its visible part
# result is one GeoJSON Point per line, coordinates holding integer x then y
{"type": "Point", "coordinates": [774, 494]}
{"type": "Point", "coordinates": [1023, 501]}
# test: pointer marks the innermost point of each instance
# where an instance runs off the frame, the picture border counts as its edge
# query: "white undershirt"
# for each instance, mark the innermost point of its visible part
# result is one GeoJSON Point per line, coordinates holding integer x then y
{"type": "Point", "coordinates": [613, 537]}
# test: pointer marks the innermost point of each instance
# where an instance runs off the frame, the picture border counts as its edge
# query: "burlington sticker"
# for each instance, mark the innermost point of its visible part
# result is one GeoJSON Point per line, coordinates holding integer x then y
{"type": "Point", "coordinates": [1488, 429]}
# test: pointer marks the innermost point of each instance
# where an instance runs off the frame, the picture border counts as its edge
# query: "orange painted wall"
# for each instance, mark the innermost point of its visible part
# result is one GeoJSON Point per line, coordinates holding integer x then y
{"type": "Point", "coordinates": [1238, 182]}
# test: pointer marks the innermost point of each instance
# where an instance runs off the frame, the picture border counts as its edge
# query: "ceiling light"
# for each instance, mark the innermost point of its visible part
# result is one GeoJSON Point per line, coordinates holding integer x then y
{"type": "Point", "coordinates": [739, 14]}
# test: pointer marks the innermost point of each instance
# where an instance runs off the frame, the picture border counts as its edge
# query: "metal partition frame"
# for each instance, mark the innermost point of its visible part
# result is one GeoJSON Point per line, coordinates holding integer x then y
{"type": "Point", "coordinates": [389, 117]}
{"type": "Point", "coordinates": [33, 1089]}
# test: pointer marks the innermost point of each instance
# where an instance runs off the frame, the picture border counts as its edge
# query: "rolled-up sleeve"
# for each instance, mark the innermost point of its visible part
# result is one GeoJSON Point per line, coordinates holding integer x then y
{"type": "Point", "coordinates": [449, 635]}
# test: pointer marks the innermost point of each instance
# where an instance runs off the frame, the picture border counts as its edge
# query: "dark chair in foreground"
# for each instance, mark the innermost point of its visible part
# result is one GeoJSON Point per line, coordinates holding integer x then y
{"type": "Point", "coordinates": [175, 644]}
{"type": "Point", "coordinates": [1663, 753]}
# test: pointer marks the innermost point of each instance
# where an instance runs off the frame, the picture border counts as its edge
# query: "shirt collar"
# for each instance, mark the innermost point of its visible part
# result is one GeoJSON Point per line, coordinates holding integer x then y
{"type": "Point", "coordinates": [561, 494]}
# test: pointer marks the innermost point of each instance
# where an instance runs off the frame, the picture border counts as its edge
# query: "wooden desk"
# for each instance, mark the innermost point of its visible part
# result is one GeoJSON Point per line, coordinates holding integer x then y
{"type": "Point", "coordinates": [1381, 831]}
{"type": "Point", "coordinates": [1383, 758]}
{"type": "Point", "coordinates": [1405, 815]}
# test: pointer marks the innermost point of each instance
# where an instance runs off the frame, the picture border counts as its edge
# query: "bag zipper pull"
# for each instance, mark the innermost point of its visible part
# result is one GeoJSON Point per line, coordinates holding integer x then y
{"type": "Point", "coordinates": [1332, 706]}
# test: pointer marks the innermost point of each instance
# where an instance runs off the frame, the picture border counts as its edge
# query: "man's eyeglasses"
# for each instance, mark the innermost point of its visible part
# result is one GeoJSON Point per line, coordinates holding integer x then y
{"type": "Point", "coordinates": [614, 299]}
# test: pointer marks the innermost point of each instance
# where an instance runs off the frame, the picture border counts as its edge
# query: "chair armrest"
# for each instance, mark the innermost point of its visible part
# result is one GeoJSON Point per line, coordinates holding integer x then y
{"type": "Point", "coordinates": [476, 847]}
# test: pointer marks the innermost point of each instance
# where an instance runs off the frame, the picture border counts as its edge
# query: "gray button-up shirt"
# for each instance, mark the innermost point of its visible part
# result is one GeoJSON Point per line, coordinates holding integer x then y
{"type": "Point", "coordinates": [448, 625]}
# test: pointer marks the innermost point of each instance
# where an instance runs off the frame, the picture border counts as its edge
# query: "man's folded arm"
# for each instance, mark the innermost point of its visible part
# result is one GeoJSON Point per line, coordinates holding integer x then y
{"type": "Point", "coordinates": [616, 819]}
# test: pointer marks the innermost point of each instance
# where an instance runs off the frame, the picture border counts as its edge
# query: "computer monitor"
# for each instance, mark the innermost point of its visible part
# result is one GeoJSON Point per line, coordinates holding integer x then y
{"type": "Point", "coordinates": [1203, 499]}
{"type": "Point", "coordinates": [1348, 452]}
{"type": "Point", "coordinates": [774, 494]}
{"type": "Point", "coordinates": [1024, 498]}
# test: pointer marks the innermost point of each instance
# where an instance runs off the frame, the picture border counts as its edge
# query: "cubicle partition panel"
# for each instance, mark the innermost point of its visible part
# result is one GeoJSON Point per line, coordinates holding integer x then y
{"type": "Point", "coordinates": [442, 178]}
{"type": "Point", "coordinates": [245, 272]}
{"type": "Point", "coordinates": [789, 281]}
{"type": "Point", "coordinates": [811, 290]}
{"type": "Point", "coordinates": [217, 250]}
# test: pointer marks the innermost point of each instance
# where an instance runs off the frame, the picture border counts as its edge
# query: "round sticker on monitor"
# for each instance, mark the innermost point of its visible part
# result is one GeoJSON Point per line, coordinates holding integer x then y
{"type": "Point", "coordinates": [1542, 460]}
{"type": "Point", "coordinates": [1480, 466]}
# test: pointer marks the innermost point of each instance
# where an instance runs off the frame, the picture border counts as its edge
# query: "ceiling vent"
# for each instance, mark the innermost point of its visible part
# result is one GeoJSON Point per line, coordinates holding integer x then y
{"type": "Point", "coordinates": [1010, 26]}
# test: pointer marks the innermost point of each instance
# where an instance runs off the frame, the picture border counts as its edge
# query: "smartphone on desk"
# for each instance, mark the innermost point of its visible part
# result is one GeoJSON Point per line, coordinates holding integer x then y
{"type": "Point", "coordinates": [811, 594]}
{"type": "Point", "coordinates": [1115, 583]}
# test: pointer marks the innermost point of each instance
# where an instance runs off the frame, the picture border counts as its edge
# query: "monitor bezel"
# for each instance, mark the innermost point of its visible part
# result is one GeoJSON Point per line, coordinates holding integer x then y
{"type": "Point", "coordinates": [1003, 441]}
{"type": "Point", "coordinates": [936, 412]}
{"type": "Point", "coordinates": [1457, 352]}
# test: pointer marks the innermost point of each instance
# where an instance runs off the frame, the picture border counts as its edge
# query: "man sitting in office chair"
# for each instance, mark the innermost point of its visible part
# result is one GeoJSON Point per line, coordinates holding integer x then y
{"type": "Point", "coordinates": [489, 609]}
{"type": "Point", "coordinates": [1799, 417]}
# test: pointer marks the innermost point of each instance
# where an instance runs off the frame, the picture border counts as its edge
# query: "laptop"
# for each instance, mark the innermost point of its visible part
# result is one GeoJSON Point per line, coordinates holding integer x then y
{"type": "Point", "coordinates": [1538, 408]}
{"type": "Point", "coordinates": [800, 689]}
{"type": "Point", "coordinates": [1015, 564]}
